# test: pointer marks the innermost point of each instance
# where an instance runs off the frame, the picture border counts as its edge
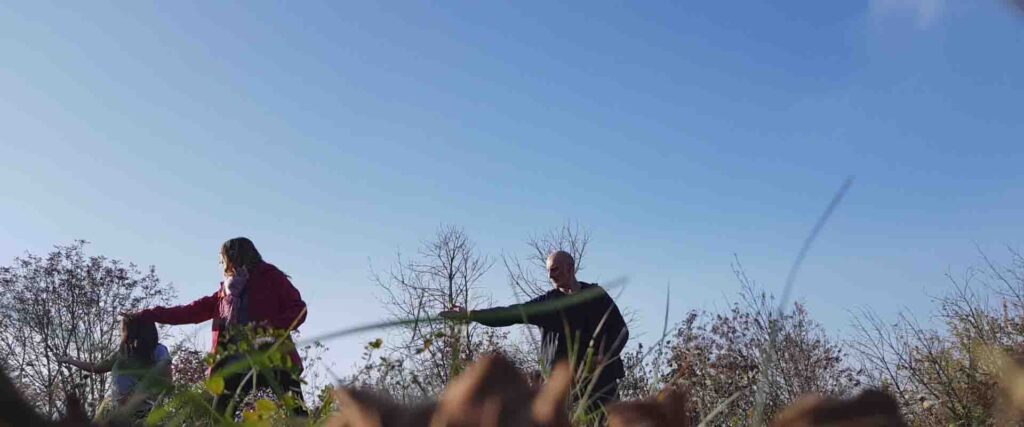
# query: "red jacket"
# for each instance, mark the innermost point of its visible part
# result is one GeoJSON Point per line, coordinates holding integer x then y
{"type": "Point", "coordinates": [271, 299]}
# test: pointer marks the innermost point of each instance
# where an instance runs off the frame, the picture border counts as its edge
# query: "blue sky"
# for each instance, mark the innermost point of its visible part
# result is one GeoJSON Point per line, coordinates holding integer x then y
{"type": "Point", "coordinates": [679, 134]}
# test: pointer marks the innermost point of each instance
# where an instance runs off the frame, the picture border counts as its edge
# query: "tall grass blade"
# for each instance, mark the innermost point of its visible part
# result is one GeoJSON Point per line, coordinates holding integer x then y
{"type": "Point", "coordinates": [768, 362]}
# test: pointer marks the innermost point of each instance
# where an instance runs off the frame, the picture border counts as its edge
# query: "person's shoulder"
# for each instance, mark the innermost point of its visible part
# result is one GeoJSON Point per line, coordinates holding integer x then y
{"type": "Point", "coordinates": [597, 289]}
{"type": "Point", "coordinates": [265, 267]}
{"type": "Point", "coordinates": [160, 352]}
{"type": "Point", "coordinates": [269, 271]}
{"type": "Point", "coordinates": [553, 292]}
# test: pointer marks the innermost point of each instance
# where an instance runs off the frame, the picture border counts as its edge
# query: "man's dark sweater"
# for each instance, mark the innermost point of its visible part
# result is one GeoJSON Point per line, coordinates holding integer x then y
{"type": "Point", "coordinates": [595, 317]}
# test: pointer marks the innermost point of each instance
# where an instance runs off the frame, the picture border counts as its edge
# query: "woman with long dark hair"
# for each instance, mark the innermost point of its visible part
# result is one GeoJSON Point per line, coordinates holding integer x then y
{"type": "Point", "coordinates": [252, 293]}
{"type": "Point", "coordinates": [139, 357]}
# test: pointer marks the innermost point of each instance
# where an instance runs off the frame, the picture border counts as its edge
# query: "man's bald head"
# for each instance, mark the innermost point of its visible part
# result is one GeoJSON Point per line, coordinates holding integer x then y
{"type": "Point", "coordinates": [562, 257]}
{"type": "Point", "coordinates": [562, 270]}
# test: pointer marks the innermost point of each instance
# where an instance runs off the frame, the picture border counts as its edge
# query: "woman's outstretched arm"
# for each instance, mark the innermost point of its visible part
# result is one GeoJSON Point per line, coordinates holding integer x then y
{"type": "Point", "coordinates": [97, 368]}
{"type": "Point", "coordinates": [197, 311]}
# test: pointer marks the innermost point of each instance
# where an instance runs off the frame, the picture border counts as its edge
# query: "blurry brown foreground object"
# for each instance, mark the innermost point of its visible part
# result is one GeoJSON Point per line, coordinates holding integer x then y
{"type": "Point", "coordinates": [871, 408]}
{"type": "Point", "coordinates": [493, 393]}
{"type": "Point", "coordinates": [490, 393]}
{"type": "Point", "coordinates": [16, 412]}
{"type": "Point", "coordinates": [672, 407]}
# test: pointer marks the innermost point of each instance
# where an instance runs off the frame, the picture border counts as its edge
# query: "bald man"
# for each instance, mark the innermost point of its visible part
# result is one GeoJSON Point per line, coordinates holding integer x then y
{"type": "Point", "coordinates": [591, 319]}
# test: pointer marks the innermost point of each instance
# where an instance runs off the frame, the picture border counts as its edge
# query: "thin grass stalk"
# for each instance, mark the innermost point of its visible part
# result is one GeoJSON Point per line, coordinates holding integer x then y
{"type": "Point", "coordinates": [769, 361]}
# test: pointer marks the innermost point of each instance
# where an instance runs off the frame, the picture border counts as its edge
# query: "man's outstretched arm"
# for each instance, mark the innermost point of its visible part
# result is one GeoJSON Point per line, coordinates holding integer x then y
{"type": "Point", "coordinates": [530, 312]}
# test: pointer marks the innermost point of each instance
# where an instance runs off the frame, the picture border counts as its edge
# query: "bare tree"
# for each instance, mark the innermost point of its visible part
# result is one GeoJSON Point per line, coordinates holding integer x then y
{"type": "Point", "coordinates": [527, 275]}
{"type": "Point", "coordinates": [425, 355]}
{"type": "Point", "coordinates": [942, 375]}
{"type": "Point", "coordinates": [67, 304]}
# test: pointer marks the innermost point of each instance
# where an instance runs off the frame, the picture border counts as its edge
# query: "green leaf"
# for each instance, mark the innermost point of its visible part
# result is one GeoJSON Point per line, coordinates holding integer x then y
{"type": "Point", "coordinates": [250, 418]}
{"type": "Point", "coordinates": [215, 385]}
{"type": "Point", "coordinates": [289, 401]}
{"type": "Point", "coordinates": [265, 406]}
{"type": "Point", "coordinates": [157, 415]}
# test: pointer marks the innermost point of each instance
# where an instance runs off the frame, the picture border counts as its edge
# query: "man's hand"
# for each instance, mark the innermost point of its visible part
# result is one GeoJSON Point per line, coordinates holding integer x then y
{"type": "Point", "coordinates": [456, 313]}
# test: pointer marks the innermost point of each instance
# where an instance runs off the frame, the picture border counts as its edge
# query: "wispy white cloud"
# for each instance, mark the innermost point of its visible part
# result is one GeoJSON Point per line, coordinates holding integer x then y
{"type": "Point", "coordinates": [923, 12]}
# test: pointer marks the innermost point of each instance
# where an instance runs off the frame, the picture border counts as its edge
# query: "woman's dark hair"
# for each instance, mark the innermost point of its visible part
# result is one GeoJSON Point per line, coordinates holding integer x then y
{"type": "Point", "coordinates": [239, 252]}
{"type": "Point", "coordinates": [139, 340]}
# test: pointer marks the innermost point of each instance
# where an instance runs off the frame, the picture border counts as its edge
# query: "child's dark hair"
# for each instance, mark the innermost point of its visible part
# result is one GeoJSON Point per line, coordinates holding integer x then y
{"type": "Point", "coordinates": [138, 340]}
